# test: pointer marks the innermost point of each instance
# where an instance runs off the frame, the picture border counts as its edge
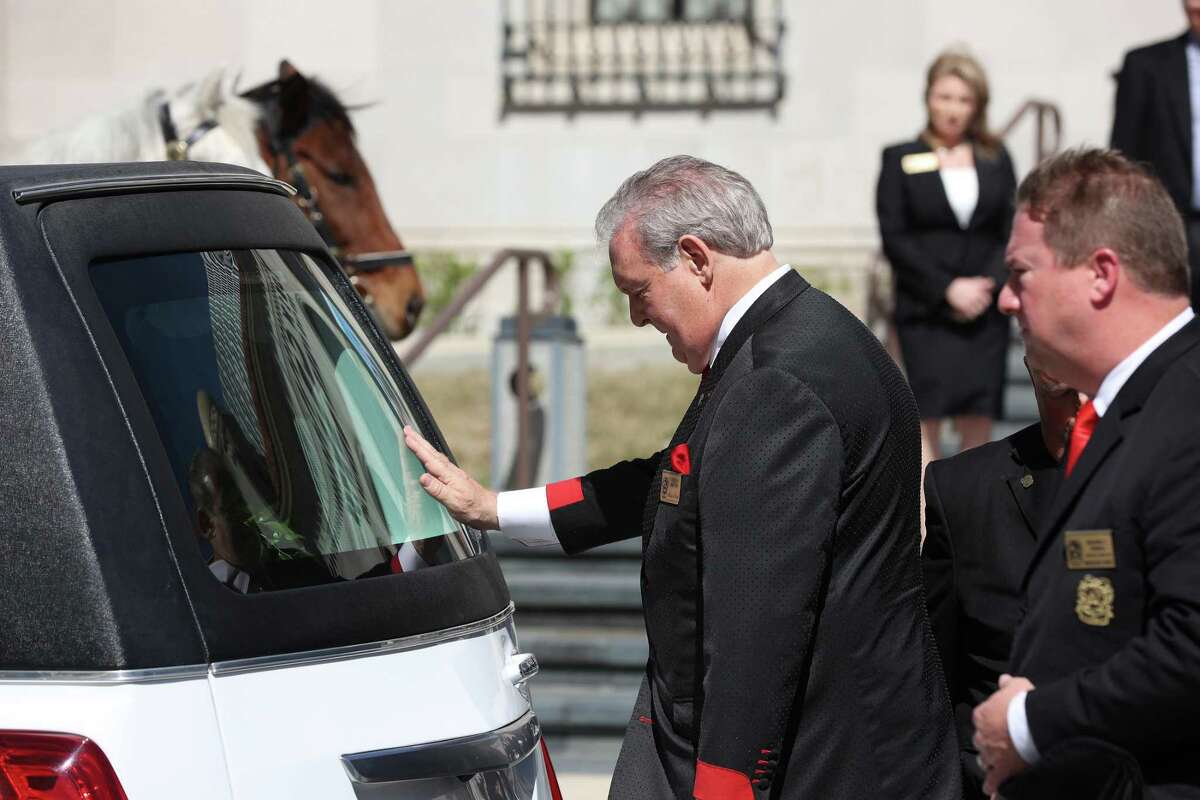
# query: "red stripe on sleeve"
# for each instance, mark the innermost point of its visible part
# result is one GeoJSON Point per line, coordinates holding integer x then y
{"type": "Point", "coordinates": [564, 493]}
{"type": "Point", "coordinates": [721, 783]}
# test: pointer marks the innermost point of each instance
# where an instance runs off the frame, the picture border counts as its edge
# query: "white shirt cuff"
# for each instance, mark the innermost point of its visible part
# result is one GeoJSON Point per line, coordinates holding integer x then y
{"type": "Point", "coordinates": [1018, 730]}
{"type": "Point", "coordinates": [524, 517]}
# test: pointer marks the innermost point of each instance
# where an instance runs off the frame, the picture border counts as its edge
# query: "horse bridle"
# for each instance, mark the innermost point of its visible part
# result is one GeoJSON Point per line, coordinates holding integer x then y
{"type": "Point", "coordinates": [177, 149]}
{"type": "Point", "coordinates": [306, 196]}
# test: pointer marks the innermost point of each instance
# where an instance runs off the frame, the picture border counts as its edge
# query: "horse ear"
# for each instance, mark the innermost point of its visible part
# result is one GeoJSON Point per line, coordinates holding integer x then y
{"type": "Point", "coordinates": [211, 91]}
{"type": "Point", "coordinates": [286, 99]}
{"type": "Point", "coordinates": [294, 104]}
{"type": "Point", "coordinates": [261, 93]}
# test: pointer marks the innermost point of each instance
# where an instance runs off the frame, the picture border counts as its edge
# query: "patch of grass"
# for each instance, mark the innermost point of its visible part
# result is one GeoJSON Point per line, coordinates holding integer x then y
{"type": "Point", "coordinates": [461, 404]}
{"type": "Point", "coordinates": [442, 274]}
{"type": "Point", "coordinates": [631, 412]}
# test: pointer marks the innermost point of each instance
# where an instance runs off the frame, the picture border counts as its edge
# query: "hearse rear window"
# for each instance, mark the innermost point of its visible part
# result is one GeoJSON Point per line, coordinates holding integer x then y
{"type": "Point", "coordinates": [282, 426]}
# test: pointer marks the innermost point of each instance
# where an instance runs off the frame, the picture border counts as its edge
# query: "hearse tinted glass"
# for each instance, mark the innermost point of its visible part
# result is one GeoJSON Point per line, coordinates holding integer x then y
{"type": "Point", "coordinates": [281, 425]}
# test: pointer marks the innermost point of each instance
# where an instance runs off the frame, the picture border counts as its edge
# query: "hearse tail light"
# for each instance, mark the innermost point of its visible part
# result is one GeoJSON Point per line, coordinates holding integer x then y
{"type": "Point", "coordinates": [55, 766]}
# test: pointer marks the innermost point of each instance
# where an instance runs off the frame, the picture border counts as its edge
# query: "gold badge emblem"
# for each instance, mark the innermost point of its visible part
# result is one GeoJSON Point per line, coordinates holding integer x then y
{"type": "Point", "coordinates": [1089, 549]}
{"type": "Point", "coordinates": [1094, 600]}
{"type": "Point", "coordinates": [916, 163]}
{"type": "Point", "coordinates": [1026, 480]}
{"type": "Point", "coordinates": [668, 491]}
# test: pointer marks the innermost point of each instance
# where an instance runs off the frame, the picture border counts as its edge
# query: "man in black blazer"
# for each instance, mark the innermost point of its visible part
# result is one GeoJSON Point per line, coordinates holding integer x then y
{"type": "Point", "coordinates": [790, 654]}
{"type": "Point", "coordinates": [1107, 657]}
{"type": "Point", "coordinates": [1156, 117]}
{"type": "Point", "coordinates": [981, 513]}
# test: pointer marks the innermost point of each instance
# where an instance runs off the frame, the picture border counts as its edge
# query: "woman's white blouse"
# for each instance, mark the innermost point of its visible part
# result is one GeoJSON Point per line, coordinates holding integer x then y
{"type": "Point", "coordinates": [962, 190]}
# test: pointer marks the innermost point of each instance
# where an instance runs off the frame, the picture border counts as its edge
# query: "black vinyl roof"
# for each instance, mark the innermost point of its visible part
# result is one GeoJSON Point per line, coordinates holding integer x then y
{"type": "Point", "coordinates": [21, 180]}
{"type": "Point", "coordinates": [95, 567]}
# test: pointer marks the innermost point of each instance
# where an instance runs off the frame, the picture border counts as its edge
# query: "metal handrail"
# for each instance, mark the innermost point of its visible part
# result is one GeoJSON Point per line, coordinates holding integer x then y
{"type": "Point", "coordinates": [1044, 111]}
{"type": "Point", "coordinates": [525, 319]}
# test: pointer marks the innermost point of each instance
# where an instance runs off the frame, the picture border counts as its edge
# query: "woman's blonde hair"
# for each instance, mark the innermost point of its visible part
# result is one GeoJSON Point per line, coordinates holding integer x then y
{"type": "Point", "coordinates": [962, 65]}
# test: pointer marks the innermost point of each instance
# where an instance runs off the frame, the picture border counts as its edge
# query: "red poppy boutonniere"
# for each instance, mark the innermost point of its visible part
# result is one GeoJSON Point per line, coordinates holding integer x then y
{"type": "Point", "coordinates": [681, 459]}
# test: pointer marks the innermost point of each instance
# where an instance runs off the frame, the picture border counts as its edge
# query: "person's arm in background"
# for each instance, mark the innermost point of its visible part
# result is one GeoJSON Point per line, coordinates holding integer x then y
{"type": "Point", "coordinates": [997, 269]}
{"type": "Point", "coordinates": [917, 272]}
{"type": "Point", "coordinates": [1129, 109]}
{"type": "Point", "coordinates": [939, 574]}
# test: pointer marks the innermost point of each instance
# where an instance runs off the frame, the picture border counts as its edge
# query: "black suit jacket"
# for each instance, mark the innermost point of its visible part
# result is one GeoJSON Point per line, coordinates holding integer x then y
{"type": "Point", "coordinates": [790, 655]}
{"type": "Point", "coordinates": [981, 515]}
{"type": "Point", "coordinates": [921, 236]}
{"type": "Point", "coordinates": [1114, 653]}
{"type": "Point", "coordinates": [1152, 120]}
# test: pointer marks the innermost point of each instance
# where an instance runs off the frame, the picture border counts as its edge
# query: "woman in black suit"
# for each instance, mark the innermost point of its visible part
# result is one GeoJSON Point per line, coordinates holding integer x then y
{"type": "Point", "coordinates": [945, 205]}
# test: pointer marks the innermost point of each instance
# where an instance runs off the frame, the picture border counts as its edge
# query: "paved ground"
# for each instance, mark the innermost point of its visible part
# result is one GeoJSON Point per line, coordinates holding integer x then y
{"type": "Point", "coordinates": [583, 786]}
{"type": "Point", "coordinates": [584, 764]}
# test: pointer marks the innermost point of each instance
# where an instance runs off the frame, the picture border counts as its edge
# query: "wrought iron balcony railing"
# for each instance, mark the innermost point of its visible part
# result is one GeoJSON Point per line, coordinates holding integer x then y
{"type": "Point", "coordinates": [639, 56]}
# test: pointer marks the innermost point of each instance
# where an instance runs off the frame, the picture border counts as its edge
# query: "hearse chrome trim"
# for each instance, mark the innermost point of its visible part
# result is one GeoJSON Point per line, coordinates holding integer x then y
{"type": "Point", "coordinates": [419, 640]}
{"type": "Point", "coordinates": [105, 677]}
{"type": "Point", "coordinates": [193, 671]}
{"type": "Point", "coordinates": [96, 187]}
{"type": "Point", "coordinates": [467, 755]}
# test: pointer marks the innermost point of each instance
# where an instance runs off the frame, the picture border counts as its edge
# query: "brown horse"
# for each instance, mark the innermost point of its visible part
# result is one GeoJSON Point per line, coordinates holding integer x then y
{"type": "Point", "coordinates": [306, 138]}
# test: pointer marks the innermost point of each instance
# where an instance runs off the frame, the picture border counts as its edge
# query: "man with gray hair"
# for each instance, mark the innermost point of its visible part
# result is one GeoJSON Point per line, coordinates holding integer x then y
{"type": "Point", "coordinates": [790, 655]}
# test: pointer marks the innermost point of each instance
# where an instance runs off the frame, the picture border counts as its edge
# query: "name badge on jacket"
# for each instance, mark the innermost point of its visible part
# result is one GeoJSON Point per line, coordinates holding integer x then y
{"type": "Point", "coordinates": [916, 163]}
{"type": "Point", "coordinates": [672, 483]}
{"type": "Point", "coordinates": [1090, 549]}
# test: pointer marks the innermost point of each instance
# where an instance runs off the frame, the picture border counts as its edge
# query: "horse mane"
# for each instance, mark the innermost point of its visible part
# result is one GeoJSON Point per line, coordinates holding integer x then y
{"type": "Point", "coordinates": [290, 104]}
{"type": "Point", "coordinates": [134, 134]}
{"type": "Point", "coordinates": [324, 104]}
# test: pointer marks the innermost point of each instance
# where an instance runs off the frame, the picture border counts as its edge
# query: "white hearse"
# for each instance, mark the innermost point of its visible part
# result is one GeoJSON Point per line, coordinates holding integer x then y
{"type": "Point", "coordinates": [219, 577]}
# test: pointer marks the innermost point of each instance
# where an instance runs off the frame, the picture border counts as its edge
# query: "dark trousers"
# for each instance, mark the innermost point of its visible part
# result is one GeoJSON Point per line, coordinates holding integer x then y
{"type": "Point", "coordinates": [1193, 237]}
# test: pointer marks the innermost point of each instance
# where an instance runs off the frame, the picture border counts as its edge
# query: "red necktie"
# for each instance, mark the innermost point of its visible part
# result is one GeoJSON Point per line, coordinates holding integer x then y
{"type": "Point", "coordinates": [1085, 423]}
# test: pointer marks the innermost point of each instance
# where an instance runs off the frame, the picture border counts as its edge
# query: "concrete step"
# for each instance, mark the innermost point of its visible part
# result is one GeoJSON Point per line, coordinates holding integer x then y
{"type": "Point", "coordinates": [617, 620]}
{"type": "Point", "coordinates": [568, 645]}
{"type": "Point", "coordinates": [585, 701]}
{"type": "Point", "coordinates": [1020, 402]}
{"type": "Point", "coordinates": [584, 584]}
{"type": "Point", "coordinates": [1016, 363]}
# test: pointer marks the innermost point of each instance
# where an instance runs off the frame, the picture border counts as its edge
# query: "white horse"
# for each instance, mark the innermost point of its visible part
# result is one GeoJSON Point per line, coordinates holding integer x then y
{"type": "Point", "coordinates": [137, 133]}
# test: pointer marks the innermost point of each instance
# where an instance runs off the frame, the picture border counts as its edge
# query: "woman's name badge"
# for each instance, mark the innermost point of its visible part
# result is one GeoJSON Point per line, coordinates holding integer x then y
{"type": "Point", "coordinates": [915, 163]}
{"type": "Point", "coordinates": [668, 491]}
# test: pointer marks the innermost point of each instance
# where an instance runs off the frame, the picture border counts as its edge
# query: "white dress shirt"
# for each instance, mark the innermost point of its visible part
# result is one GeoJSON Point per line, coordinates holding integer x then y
{"type": "Point", "coordinates": [231, 576]}
{"type": "Point", "coordinates": [962, 192]}
{"type": "Point", "coordinates": [1018, 722]}
{"type": "Point", "coordinates": [409, 558]}
{"type": "Point", "coordinates": [524, 514]}
{"type": "Point", "coordinates": [1193, 69]}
